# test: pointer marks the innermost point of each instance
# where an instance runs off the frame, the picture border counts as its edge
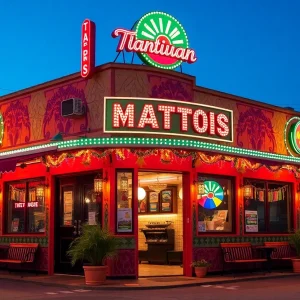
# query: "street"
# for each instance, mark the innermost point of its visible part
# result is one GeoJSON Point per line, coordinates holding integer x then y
{"type": "Point", "coordinates": [285, 288]}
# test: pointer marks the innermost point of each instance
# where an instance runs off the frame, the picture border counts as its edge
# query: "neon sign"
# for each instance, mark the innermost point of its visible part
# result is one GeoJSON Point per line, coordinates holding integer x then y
{"type": "Point", "coordinates": [158, 39]}
{"type": "Point", "coordinates": [29, 204]}
{"type": "Point", "coordinates": [167, 117]}
{"type": "Point", "coordinates": [294, 137]}
{"type": "Point", "coordinates": [87, 48]}
{"type": "Point", "coordinates": [1, 128]}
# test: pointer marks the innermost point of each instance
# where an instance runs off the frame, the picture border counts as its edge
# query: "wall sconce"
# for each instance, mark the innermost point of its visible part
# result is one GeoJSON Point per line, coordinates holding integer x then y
{"type": "Point", "coordinates": [98, 183]}
{"type": "Point", "coordinates": [200, 186]}
{"type": "Point", "coordinates": [124, 183]}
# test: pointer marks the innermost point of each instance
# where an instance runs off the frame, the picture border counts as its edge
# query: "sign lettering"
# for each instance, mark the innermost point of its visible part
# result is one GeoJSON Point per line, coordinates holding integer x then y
{"type": "Point", "coordinates": [158, 39]}
{"type": "Point", "coordinates": [87, 48]}
{"type": "Point", "coordinates": [29, 204]}
{"type": "Point", "coordinates": [167, 117]}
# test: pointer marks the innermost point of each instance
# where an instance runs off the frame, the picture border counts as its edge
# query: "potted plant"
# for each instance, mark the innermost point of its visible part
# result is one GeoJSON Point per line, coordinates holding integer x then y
{"type": "Point", "coordinates": [201, 267]}
{"type": "Point", "coordinates": [295, 240]}
{"type": "Point", "coordinates": [93, 247]}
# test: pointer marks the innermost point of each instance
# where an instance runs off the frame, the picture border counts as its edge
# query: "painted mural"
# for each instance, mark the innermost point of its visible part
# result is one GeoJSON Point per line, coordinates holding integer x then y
{"type": "Point", "coordinates": [255, 129]}
{"type": "Point", "coordinates": [16, 122]}
{"type": "Point", "coordinates": [53, 121]}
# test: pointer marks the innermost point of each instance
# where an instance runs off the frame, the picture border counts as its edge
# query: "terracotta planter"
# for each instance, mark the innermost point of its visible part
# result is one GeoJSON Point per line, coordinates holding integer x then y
{"type": "Point", "coordinates": [95, 275]}
{"type": "Point", "coordinates": [296, 265]}
{"type": "Point", "coordinates": [201, 271]}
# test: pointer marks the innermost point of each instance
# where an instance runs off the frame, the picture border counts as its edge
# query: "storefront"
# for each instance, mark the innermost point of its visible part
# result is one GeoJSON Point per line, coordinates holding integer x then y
{"type": "Point", "coordinates": [171, 168]}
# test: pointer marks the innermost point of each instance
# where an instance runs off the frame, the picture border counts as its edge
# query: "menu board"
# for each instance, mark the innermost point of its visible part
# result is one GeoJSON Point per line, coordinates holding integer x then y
{"type": "Point", "coordinates": [251, 221]}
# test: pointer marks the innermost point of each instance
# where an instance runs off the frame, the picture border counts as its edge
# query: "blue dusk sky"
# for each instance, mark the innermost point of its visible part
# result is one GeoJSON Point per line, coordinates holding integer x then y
{"type": "Point", "coordinates": [248, 48]}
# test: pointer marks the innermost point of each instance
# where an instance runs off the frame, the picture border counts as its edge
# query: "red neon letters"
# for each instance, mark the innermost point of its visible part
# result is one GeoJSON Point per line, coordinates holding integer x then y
{"type": "Point", "coordinates": [87, 48]}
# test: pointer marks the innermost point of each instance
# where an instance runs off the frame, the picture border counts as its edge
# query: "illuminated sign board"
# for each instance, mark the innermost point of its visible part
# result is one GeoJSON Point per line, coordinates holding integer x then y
{"type": "Point", "coordinates": [158, 39]}
{"type": "Point", "coordinates": [129, 116]}
{"type": "Point", "coordinates": [292, 136]}
{"type": "Point", "coordinates": [87, 48]}
{"type": "Point", "coordinates": [1, 129]}
{"type": "Point", "coordinates": [29, 204]}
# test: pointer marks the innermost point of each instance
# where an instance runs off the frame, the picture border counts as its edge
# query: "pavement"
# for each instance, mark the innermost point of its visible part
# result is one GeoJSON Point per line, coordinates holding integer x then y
{"type": "Point", "coordinates": [287, 288]}
{"type": "Point", "coordinates": [69, 281]}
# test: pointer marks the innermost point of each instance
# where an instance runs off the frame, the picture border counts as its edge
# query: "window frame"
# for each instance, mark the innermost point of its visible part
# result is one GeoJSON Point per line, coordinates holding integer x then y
{"type": "Point", "coordinates": [6, 202]}
{"type": "Point", "coordinates": [232, 180]}
{"type": "Point", "coordinates": [126, 170]}
{"type": "Point", "coordinates": [266, 206]}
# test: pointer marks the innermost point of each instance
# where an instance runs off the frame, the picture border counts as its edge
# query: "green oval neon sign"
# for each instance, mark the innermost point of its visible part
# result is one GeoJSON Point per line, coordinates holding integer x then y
{"type": "Point", "coordinates": [294, 137]}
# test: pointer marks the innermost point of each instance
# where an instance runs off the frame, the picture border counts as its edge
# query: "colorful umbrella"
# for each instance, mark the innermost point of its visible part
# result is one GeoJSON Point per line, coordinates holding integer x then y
{"type": "Point", "coordinates": [213, 196]}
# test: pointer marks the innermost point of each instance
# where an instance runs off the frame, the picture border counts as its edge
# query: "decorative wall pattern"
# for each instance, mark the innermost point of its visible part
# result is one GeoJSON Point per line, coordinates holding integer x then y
{"type": "Point", "coordinates": [43, 241]}
{"type": "Point", "coordinates": [124, 264]}
{"type": "Point", "coordinates": [16, 122]}
{"type": "Point", "coordinates": [53, 121]}
{"type": "Point", "coordinates": [127, 243]}
{"type": "Point", "coordinates": [215, 241]}
{"type": "Point", "coordinates": [255, 129]}
{"type": "Point", "coordinates": [131, 84]}
{"type": "Point", "coordinates": [167, 88]}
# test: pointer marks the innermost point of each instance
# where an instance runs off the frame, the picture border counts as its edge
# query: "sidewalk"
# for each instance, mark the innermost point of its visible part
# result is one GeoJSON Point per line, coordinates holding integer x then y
{"type": "Point", "coordinates": [69, 281]}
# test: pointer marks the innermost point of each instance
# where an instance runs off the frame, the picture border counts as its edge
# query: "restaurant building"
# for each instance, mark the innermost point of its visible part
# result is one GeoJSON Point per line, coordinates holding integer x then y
{"type": "Point", "coordinates": [171, 168]}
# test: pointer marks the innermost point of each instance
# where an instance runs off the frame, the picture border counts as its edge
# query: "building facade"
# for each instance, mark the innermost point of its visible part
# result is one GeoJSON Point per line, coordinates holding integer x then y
{"type": "Point", "coordinates": [217, 167]}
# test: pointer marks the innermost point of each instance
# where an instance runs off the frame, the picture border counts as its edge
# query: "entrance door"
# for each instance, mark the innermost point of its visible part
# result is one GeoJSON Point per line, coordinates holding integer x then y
{"type": "Point", "coordinates": [75, 205]}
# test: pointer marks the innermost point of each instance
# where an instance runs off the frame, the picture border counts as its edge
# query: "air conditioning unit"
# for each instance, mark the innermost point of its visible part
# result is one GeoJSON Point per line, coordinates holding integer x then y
{"type": "Point", "coordinates": [72, 108]}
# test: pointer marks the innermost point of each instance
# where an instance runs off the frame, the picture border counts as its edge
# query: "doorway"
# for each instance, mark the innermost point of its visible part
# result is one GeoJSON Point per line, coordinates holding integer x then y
{"type": "Point", "coordinates": [75, 205]}
{"type": "Point", "coordinates": [160, 224]}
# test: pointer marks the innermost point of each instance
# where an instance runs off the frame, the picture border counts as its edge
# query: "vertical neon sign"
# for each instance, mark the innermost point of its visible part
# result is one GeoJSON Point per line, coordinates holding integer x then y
{"type": "Point", "coordinates": [88, 30]}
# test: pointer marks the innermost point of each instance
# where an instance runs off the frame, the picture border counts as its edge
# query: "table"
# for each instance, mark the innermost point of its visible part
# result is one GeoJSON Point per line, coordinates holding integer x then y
{"type": "Point", "coordinates": [268, 252]}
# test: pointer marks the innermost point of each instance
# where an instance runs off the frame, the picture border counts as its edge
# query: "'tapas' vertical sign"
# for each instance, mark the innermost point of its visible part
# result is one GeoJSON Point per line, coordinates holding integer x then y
{"type": "Point", "coordinates": [88, 31]}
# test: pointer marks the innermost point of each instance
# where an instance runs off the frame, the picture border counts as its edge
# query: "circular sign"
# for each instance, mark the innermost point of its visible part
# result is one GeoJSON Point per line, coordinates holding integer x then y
{"type": "Point", "coordinates": [165, 31]}
{"type": "Point", "coordinates": [294, 137]}
{"type": "Point", "coordinates": [213, 195]}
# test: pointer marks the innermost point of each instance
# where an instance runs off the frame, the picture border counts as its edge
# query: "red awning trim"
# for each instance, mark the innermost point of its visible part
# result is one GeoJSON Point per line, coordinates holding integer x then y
{"type": "Point", "coordinates": [8, 163]}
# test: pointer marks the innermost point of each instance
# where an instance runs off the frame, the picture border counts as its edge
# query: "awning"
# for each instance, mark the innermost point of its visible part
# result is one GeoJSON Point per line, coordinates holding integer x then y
{"type": "Point", "coordinates": [8, 163]}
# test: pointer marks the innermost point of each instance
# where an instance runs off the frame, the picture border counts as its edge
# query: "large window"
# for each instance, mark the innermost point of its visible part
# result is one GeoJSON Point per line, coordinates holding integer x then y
{"type": "Point", "coordinates": [267, 206]}
{"type": "Point", "coordinates": [215, 205]}
{"type": "Point", "coordinates": [25, 206]}
{"type": "Point", "coordinates": [124, 202]}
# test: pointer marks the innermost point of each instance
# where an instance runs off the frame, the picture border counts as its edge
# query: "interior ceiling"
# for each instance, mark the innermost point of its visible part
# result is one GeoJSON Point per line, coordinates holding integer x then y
{"type": "Point", "coordinates": [146, 178]}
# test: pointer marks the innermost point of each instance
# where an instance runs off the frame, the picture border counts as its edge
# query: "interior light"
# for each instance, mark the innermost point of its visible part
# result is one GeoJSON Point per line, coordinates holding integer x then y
{"type": "Point", "coordinates": [141, 193]}
{"type": "Point", "coordinates": [180, 194]}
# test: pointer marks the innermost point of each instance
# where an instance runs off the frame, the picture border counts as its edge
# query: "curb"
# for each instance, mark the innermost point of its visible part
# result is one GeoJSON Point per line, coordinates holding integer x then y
{"type": "Point", "coordinates": [153, 287]}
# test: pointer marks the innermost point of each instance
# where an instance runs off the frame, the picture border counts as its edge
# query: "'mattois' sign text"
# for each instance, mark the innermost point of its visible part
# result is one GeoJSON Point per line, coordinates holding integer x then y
{"type": "Point", "coordinates": [167, 117]}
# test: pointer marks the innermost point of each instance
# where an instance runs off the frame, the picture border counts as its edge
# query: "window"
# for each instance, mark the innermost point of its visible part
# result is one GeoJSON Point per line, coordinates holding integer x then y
{"type": "Point", "coordinates": [124, 202]}
{"type": "Point", "coordinates": [267, 206]}
{"type": "Point", "coordinates": [25, 207]}
{"type": "Point", "coordinates": [215, 206]}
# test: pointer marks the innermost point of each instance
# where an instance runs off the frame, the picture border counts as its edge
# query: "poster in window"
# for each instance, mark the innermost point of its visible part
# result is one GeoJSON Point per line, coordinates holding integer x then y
{"type": "Point", "coordinates": [153, 202]}
{"type": "Point", "coordinates": [124, 222]}
{"type": "Point", "coordinates": [15, 225]}
{"type": "Point", "coordinates": [68, 208]}
{"type": "Point", "coordinates": [251, 221]}
{"type": "Point", "coordinates": [201, 226]}
{"type": "Point", "coordinates": [166, 201]}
